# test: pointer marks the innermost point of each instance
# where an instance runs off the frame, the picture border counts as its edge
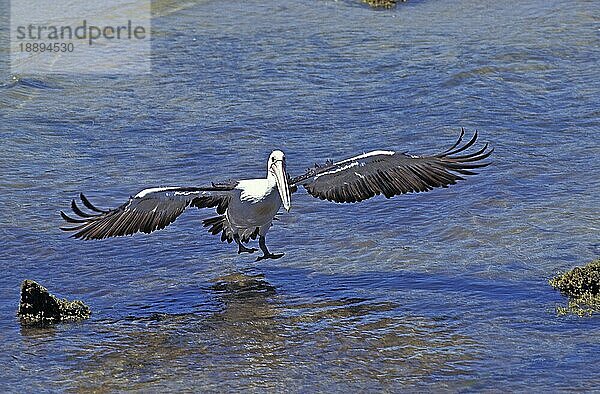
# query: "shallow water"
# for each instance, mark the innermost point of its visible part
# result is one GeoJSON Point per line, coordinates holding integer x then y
{"type": "Point", "coordinates": [439, 291]}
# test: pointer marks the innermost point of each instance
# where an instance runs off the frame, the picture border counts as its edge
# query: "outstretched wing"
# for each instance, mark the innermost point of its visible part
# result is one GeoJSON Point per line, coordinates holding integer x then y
{"type": "Point", "coordinates": [149, 210]}
{"type": "Point", "coordinates": [391, 173]}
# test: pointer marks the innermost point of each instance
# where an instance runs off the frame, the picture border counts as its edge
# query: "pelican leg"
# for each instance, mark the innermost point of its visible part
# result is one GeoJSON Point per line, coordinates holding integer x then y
{"type": "Point", "coordinates": [242, 248]}
{"type": "Point", "coordinates": [266, 254]}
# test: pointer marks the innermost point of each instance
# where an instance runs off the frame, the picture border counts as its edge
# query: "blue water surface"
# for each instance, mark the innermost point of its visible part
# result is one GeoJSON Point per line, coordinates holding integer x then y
{"type": "Point", "coordinates": [444, 290]}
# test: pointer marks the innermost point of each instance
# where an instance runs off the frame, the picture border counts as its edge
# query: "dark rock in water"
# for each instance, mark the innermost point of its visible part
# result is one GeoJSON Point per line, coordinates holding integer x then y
{"type": "Point", "coordinates": [38, 306]}
{"type": "Point", "coordinates": [582, 286]}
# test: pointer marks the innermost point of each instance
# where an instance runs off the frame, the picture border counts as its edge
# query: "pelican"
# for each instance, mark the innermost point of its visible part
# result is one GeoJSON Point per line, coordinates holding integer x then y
{"type": "Point", "coordinates": [247, 208]}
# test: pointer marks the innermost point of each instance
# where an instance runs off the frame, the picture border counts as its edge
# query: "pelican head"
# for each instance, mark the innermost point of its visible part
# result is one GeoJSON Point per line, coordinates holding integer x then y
{"type": "Point", "coordinates": [276, 167]}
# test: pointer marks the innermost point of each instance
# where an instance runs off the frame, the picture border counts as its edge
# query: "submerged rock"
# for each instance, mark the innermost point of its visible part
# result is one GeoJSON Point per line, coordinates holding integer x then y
{"type": "Point", "coordinates": [38, 306]}
{"type": "Point", "coordinates": [582, 286]}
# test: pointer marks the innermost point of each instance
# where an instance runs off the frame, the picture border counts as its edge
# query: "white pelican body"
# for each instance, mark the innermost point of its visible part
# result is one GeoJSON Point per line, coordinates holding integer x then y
{"type": "Point", "coordinates": [253, 205]}
{"type": "Point", "coordinates": [247, 208]}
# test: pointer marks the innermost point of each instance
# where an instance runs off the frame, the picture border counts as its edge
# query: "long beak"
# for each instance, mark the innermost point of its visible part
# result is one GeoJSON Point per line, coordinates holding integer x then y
{"type": "Point", "coordinates": [282, 184]}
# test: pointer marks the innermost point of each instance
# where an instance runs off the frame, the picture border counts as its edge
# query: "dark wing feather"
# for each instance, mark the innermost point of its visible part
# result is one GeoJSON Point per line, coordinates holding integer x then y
{"type": "Point", "coordinates": [219, 201]}
{"type": "Point", "coordinates": [391, 173]}
{"type": "Point", "coordinates": [149, 210]}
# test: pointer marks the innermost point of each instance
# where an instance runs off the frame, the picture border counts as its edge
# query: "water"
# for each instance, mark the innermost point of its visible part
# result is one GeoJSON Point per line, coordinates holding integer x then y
{"type": "Point", "coordinates": [439, 291]}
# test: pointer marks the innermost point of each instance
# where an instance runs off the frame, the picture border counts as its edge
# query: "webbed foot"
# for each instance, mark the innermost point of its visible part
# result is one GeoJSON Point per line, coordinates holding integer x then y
{"type": "Point", "coordinates": [243, 249]}
{"type": "Point", "coordinates": [270, 256]}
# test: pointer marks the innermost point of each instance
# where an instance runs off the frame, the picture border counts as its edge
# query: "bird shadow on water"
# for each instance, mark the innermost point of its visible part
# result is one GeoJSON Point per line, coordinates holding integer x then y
{"type": "Point", "coordinates": [241, 285]}
{"type": "Point", "coordinates": [233, 296]}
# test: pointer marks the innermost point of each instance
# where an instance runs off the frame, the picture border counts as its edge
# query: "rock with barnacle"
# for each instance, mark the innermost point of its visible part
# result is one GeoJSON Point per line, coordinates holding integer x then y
{"type": "Point", "coordinates": [582, 286]}
{"type": "Point", "coordinates": [38, 306]}
{"type": "Point", "coordinates": [382, 3]}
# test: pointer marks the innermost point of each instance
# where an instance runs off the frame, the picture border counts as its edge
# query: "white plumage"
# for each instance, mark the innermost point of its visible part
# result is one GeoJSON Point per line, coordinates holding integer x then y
{"type": "Point", "coordinates": [254, 204]}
